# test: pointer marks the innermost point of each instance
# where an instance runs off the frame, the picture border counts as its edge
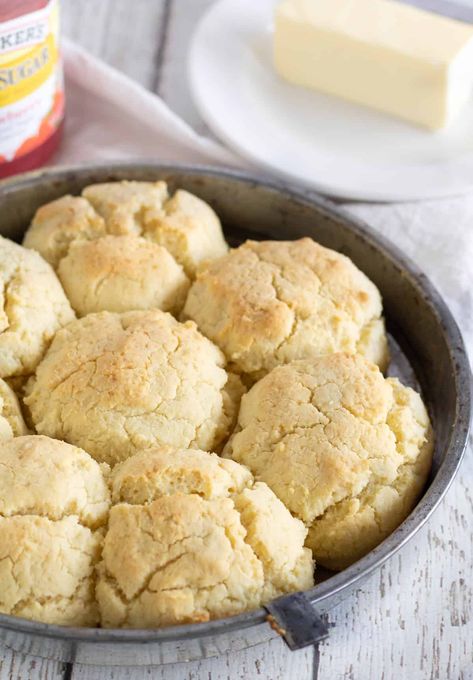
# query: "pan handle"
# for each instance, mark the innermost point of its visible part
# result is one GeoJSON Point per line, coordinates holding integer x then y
{"type": "Point", "coordinates": [295, 619]}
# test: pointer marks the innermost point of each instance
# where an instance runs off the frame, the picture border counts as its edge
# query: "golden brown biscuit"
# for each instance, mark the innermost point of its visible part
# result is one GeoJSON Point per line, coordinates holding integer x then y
{"type": "Point", "coordinates": [11, 418]}
{"type": "Point", "coordinates": [122, 273]}
{"type": "Point", "coordinates": [346, 450]}
{"type": "Point", "coordinates": [189, 229]}
{"type": "Point", "coordinates": [117, 383]}
{"type": "Point", "coordinates": [47, 477]}
{"type": "Point", "coordinates": [165, 471]}
{"type": "Point", "coordinates": [59, 223]}
{"type": "Point", "coordinates": [32, 308]}
{"type": "Point", "coordinates": [53, 499]}
{"type": "Point", "coordinates": [184, 224]}
{"type": "Point", "coordinates": [204, 541]}
{"type": "Point", "coordinates": [124, 205]}
{"type": "Point", "coordinates": [18, 384]}
{"type": "Point", "coordinates": [47, 570]}
{"type": "Point", "coordinates": [267, 303]}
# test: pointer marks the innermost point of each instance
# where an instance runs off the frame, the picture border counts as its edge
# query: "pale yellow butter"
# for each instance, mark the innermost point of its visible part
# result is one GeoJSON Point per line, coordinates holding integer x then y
{"type": "Point", "coordinates": [380, 53]}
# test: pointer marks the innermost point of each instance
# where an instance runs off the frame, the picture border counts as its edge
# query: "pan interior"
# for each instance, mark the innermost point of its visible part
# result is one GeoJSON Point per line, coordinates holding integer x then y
{"type": "Point", "coordinates": [420, 335]}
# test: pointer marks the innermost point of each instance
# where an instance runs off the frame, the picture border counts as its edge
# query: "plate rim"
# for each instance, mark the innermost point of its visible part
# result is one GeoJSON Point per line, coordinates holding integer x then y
{"type": "Point", "coordinates": [318, 185]}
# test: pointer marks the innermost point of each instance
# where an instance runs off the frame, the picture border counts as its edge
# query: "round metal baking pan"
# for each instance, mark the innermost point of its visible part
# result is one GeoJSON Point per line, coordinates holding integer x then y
{"type": "Point", "coordinates": [418, 320]}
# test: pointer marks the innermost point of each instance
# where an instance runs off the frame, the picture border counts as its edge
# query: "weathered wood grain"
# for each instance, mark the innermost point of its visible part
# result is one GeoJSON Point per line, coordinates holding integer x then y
{"type": "Point", "coordinates": [272, 661]}
{"type": "Point", "coordinates": [172, 84]}
{"type": "Point", "coordinates": [18, 667]}
{"type": "Point", "coordinates": [127, 35]}
{"type": "Point", "coordinates": [414, 619]}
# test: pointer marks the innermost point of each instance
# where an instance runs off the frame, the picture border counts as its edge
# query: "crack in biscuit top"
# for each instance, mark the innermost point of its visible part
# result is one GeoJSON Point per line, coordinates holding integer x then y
{"type": "Point", "coordinates": [49, 478]}
{"type": "Point", "coordinates": [114, 384]}
{"type": "Point", "coordinates": [32, 307]}
{"type": "Point", "coordinates": [192, 537]}
{"type": "Point", "coordinates": [54, 503]}
{"type": "Point", "coordinates": [267, 303]}
{"type": "Point", "coordinates": [11, 417]}
{"type": "Point", "coordinates": [183, 224]}
{"type": "Point", "coordinates": [121, 273]}
{"type": "Point", "coordinates": [58, 224]}
{"type": "Point", "coordinates": [318, 432]}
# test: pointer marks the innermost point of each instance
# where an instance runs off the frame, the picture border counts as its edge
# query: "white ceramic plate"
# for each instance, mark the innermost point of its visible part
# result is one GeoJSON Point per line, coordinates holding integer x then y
{"type": "Point", "coordinates": [321, 141]}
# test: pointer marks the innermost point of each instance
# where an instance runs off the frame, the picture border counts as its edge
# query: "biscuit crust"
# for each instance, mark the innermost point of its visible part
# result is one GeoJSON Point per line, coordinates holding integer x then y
{"type": "Point", "coordinates": [122, 273]}
{"type": "Point", "coordinates": [183, 224]}
{"type": "Point", "coordinates": [194, 538]}
{"type": "Point", "coordinates": [52, 579]}
{"type": "Point", "coordinates": [59, 223]}
{"type": "Point", "coordinates": [345, 449]}
{"type": "Point", "coordinates": [54, 502]}
{"type": "Point", "coordinates": [47, 477]}
{"type": "Point", "coordinates": [33, 307]}
{"type": "Point", "coordinates": [117, 383]}
{"type": "Point", "coordinates": [270, 302]}
{"type": "Point", "coordinates": [11, 417]}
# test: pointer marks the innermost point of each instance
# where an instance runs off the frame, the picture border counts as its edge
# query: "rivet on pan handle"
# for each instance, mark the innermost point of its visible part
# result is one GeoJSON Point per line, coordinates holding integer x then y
{"type": "Point", "coordinates": [295, 619]}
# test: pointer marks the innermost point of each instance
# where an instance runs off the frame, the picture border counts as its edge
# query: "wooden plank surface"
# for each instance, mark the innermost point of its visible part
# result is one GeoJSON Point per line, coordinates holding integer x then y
{"type": "Point", "coordinates": [18, 667]}
{"type": "Point", "coordinates": [271, 660]}
{"type": "Point", "coordinates": [413, 619]}
{"type": "Point", "coordinates": [125, 34]}
{"type": "Point", "coordinates": [172, 82]}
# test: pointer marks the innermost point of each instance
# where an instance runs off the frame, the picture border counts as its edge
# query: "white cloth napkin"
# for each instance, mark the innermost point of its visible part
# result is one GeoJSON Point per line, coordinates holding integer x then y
{"type": "Point", "coordinates": [111, 117]}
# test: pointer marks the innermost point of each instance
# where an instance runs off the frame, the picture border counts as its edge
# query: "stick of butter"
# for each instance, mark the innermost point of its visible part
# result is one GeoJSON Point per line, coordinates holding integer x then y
{"type": "Point", "coordinates": [384, 54]}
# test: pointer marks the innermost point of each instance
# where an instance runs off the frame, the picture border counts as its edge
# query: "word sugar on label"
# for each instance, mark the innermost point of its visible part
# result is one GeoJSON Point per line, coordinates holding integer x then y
{"type": "Point", "coordinates": [31, 82]}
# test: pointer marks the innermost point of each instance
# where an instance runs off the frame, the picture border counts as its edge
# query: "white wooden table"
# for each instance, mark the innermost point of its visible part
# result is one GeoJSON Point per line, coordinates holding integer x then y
{"type": "Point", "coordinates": [414, 619]}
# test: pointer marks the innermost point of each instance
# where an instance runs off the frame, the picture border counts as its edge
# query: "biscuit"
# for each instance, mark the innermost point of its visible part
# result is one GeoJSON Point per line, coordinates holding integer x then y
{"type": "Point", "coordinates": [18, 384]}
{"type": "Point", "coordinates": [194, 538]}
{"type": "Point", "coordinates": [117, 383]}
{"type": "Point", "coordinates": [53, 502]}
{"type": "Point", "coordinates": [189, 229]}
{"type": "Point", "coordinates": [124, 205]}
{"type": "Point", "coordinates": [11, 418]}
{"type": "Point", "coordinates": [47, 570]}
{"type": "Point", "coordinates": [267, 303]}
{"type": "Point", "coordinates": [32, 308]}
{"type": "Point", "coordinates": [47, 477]}
{"type": "Point", "coordinates": [122, 273]}
{"type": "Point", "coordinates": [346, 450]}
{"type": "Point", "coordinates": [59, 223]}
{"type": "Point", "coordinates": [166, 471]}
{"type": "Point", "coordinates": [184, 224]}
